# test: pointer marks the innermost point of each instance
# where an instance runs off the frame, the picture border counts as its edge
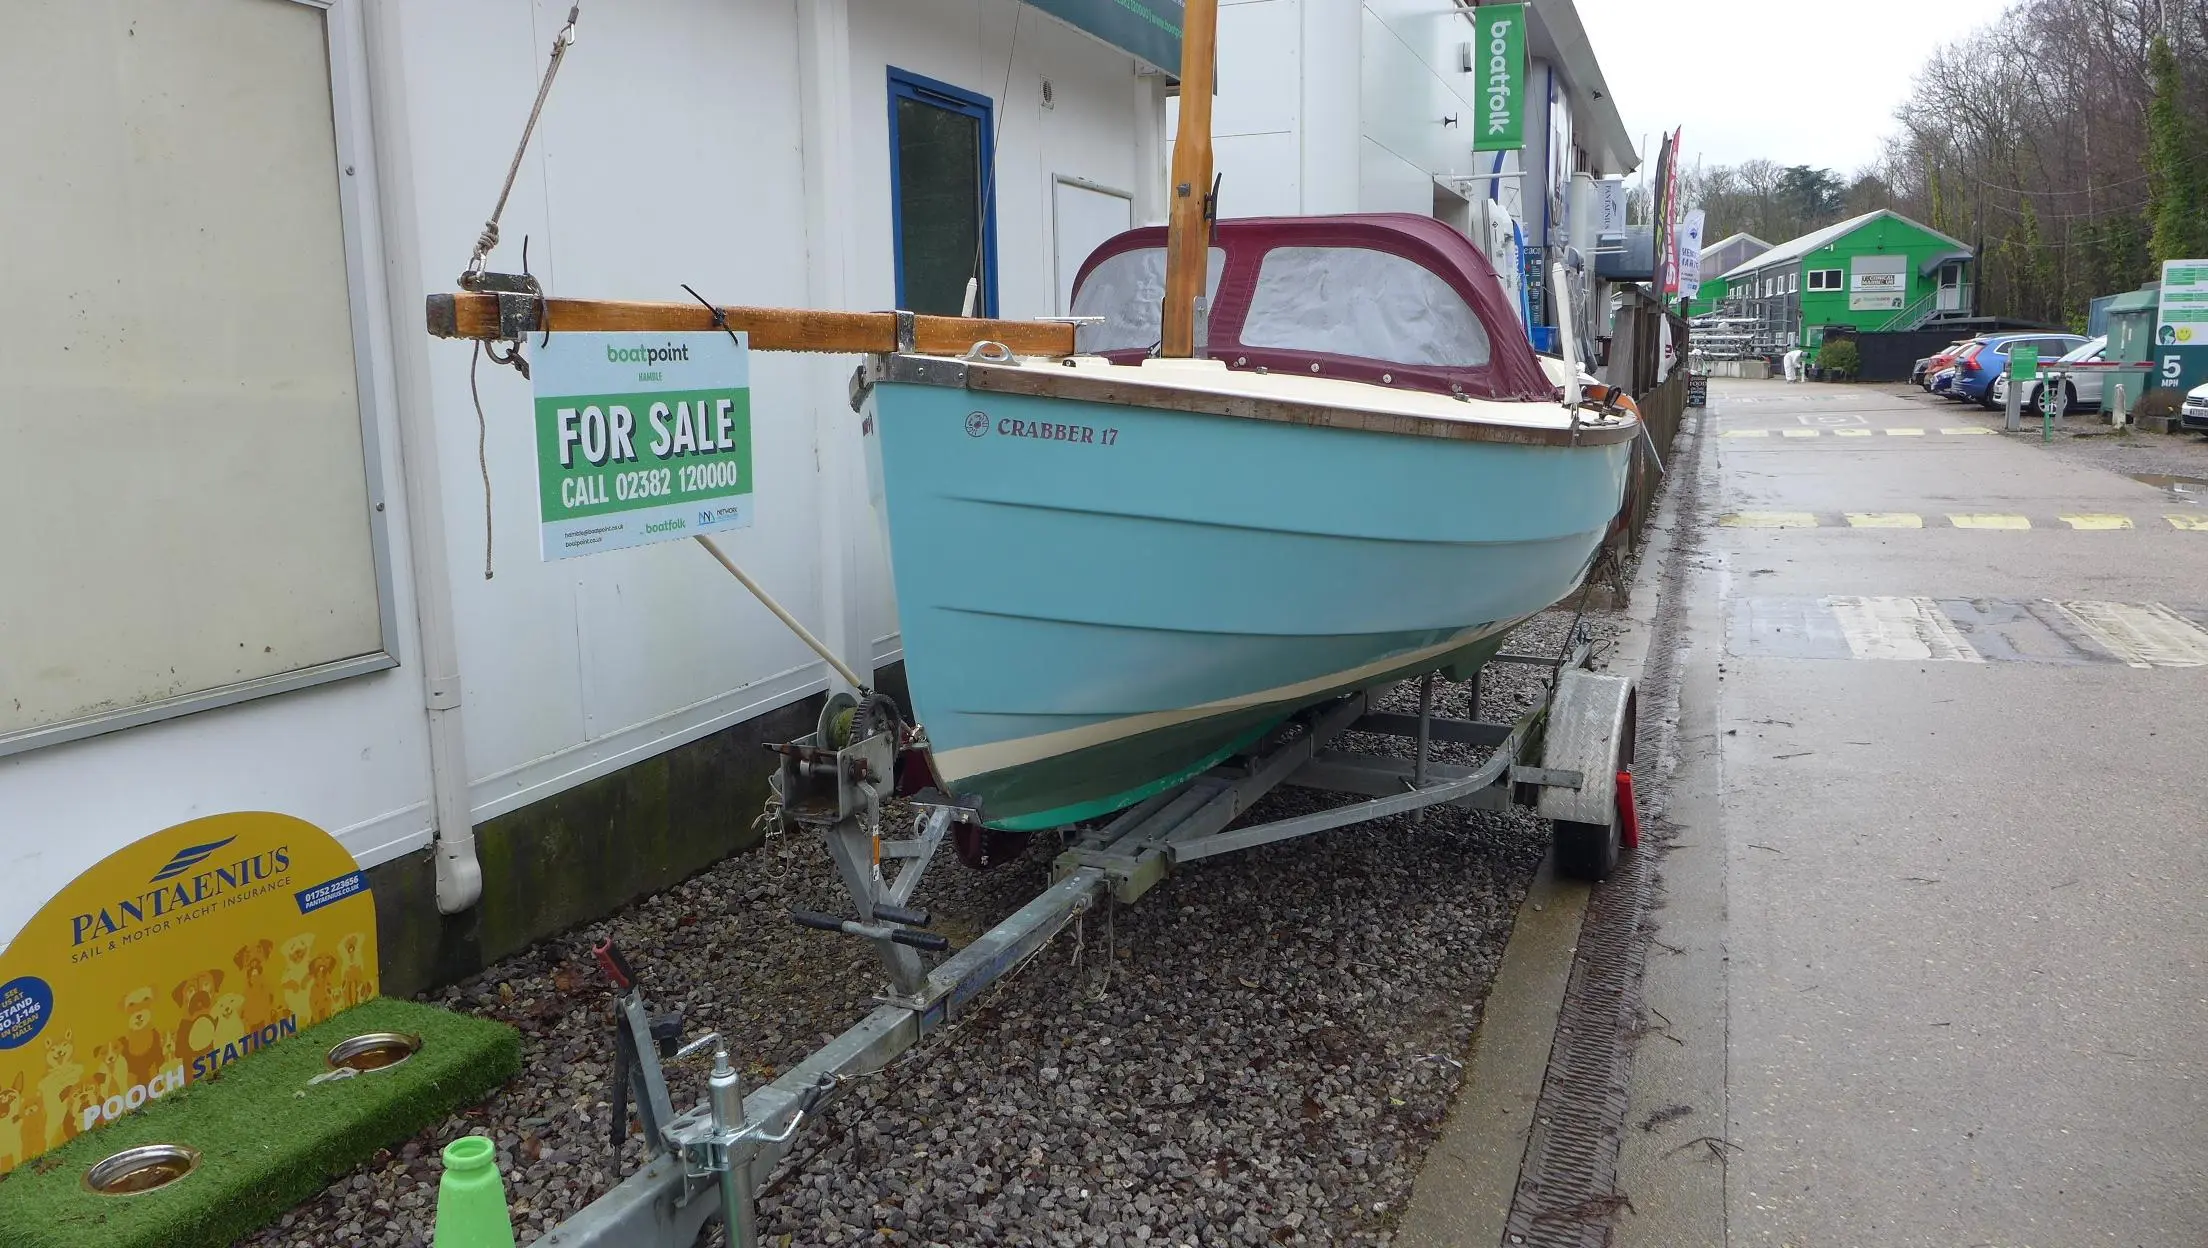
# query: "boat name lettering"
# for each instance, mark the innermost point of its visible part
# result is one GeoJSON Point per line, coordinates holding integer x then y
{"type": "Point", "coordinates": [1086, 435]}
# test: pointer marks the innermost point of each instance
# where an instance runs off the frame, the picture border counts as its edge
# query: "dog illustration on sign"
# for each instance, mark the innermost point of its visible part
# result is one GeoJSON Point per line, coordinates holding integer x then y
{"type": "Point", "coordinates": [61, 1089]}
{"type": "Point", "coordinates": [260, 995]}
{"type": "Point", "coordinates": [298, 977]}
{"type": "Point", "coordinates": [359, 986]}
{"type": "Point", "coordinates": [12, 1114]}
{"type": "Point", "coordinates": [195, 999]}
{"type": "Point", "coordinates": [141, 1044]}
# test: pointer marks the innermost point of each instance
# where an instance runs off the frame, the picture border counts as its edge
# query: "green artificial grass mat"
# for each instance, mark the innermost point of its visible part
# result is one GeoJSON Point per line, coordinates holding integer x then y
{"type": "Point", "coordinates": [267, 1138]}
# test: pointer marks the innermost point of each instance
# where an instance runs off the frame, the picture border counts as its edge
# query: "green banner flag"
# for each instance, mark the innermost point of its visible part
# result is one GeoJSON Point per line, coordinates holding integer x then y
{"type": "Point", "coordinates": [1499, 56]}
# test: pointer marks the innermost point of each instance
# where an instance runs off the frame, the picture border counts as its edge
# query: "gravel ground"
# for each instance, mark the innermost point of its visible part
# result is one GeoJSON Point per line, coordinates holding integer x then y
{"type": "Point", "coordinates": [1258, 1052]}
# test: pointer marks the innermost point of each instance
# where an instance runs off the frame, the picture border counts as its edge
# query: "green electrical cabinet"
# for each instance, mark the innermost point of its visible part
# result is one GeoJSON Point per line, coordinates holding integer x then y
{"type": "Point", "coordinates": [2130, 341]}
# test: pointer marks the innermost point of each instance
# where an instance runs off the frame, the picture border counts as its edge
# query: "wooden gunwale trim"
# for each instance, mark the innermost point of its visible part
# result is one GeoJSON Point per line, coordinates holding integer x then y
{"type": "Point", "coordinates": [1085, 387]}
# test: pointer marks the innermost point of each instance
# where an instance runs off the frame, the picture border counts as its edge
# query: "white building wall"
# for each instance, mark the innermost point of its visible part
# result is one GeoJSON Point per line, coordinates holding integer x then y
{"type": "Point", "coordinates": [670, 152]}
{"type": "Point", "coordinates": [1413, 84]}
{"type": "Point", "coordinates": [1257, 119]}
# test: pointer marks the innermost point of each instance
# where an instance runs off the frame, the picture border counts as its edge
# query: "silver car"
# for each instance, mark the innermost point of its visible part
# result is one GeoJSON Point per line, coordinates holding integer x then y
{"type": "Point", "coordinates": [2082, 385]}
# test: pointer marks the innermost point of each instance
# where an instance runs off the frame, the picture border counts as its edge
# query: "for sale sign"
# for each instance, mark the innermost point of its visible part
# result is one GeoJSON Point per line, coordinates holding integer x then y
{"type": "Point", "coordinates": [641, 438]}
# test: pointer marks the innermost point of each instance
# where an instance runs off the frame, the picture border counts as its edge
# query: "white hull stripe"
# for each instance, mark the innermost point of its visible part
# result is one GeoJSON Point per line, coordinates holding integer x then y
{"type": "Point", "coordinates": [974, 760]}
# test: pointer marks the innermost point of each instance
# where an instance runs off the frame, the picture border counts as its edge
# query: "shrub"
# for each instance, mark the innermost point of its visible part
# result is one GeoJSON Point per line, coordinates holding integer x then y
{"type": "Point", "coordinates": [1840, 358]}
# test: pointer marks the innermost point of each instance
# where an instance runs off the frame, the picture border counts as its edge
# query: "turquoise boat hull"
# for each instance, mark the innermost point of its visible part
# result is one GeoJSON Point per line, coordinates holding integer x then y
{"type": "Point", "coordinates": [1099, 601]}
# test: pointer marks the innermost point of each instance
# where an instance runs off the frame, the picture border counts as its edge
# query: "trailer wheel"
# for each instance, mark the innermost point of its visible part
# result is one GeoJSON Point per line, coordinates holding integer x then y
{"type": "Point", "coordinates": [1590, 731]}
{"type": "Point", "coordinates": [1587, 851]}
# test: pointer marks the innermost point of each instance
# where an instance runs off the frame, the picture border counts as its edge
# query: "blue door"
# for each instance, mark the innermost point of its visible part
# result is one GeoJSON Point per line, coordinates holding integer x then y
{"type": "Point", "coordinates": [942, 203]}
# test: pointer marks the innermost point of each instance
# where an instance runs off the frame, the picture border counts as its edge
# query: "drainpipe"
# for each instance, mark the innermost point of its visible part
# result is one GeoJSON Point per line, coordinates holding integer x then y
{"type": "Point", "coordinates": [825, 129]}
{"type": "Point", "coordinates": [459, 874]}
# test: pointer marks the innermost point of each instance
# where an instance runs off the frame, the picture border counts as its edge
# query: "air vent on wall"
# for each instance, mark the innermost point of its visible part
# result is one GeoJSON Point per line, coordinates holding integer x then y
{"type": "Point", "coordinates": [1050, 94]}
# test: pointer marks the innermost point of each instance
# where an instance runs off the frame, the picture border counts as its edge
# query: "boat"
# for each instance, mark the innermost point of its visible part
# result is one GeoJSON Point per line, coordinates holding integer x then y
{"type": "Point", "coordinates": [1281, 459]}
{"type": "Point", "coordinates": [1116, 569]}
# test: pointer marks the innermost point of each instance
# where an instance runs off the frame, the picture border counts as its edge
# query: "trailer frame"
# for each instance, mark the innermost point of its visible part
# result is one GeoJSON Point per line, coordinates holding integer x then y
{"type": "Point", "coordinates": [1561, 758]}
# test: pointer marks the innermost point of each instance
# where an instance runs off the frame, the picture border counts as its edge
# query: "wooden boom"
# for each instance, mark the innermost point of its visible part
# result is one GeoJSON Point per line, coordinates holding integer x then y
{"type": "Point", "coordinates": [469, 315]}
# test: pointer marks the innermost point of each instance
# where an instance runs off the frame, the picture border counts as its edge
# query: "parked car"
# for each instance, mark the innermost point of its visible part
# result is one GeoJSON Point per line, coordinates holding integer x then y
{"type": "Point", "coordinates": [1943, 381]}
{"type": "Point", "coordinates": [1924, 369]}
{"type": "Point", "coordinates": [2081, 387]}
{"type": "Point", "coordinates": [1975, 374]}
{"type": "Point", "coordinates": [2194, 414]}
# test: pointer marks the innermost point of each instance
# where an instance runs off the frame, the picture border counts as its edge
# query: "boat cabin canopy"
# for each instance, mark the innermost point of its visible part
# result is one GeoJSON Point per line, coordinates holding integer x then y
{"type": "Point", "coordinates": [1391, 298]}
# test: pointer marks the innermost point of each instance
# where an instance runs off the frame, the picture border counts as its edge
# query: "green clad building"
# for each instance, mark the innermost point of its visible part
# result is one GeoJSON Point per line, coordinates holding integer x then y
{"type": "Point", "coordinates": [1877, 273]}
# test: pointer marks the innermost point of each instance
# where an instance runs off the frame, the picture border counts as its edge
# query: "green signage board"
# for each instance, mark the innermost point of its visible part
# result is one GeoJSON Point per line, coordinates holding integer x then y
{"type": "Point", "coordinates": [641, 438]}
{"type": "Point", "coordinates": [1499, 57]}
{"type": "Point", "coordinates": [2183, 315]}
{"type": "Point", "coordinates": [2181, 326]}
{"type": "Point", "coordinates": [1150, 29]}
{"type": "Point", "coordinates": [2023, 363]}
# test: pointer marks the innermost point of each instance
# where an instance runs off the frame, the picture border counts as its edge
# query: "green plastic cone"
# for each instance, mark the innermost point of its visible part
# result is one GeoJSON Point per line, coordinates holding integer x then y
{"type": "Point", "coordinates": [471, 1198]}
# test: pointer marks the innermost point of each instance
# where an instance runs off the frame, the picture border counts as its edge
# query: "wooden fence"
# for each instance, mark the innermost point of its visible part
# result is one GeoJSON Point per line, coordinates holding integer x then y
{"type": "Point", "coordinates": [1662, 410]}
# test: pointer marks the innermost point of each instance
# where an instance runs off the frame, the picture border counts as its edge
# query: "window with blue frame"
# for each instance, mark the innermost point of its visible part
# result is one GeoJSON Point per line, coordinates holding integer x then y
{"type": "Point", "coordinates": [942, 204]}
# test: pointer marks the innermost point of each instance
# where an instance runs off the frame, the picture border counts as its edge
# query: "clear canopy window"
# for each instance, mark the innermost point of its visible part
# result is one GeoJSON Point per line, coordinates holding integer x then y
{"type": "Point", "coordinates": [1359, 302]}
{"type": "Point", "coordinates": [1128, 291]}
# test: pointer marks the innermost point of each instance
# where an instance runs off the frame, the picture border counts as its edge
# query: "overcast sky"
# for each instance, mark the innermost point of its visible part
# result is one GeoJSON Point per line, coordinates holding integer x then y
{"type": "Point", "coordinates": [1821, 90]}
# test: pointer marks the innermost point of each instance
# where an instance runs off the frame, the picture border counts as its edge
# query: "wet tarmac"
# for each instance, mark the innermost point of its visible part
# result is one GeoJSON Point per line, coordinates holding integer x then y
{"type": "Point", "coordinates": [1930, 963]}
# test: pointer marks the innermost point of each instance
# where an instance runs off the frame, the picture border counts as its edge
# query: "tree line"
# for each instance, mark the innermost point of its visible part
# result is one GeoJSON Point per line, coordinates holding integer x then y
{"type": "Point", "coordinates": [2066, 143]}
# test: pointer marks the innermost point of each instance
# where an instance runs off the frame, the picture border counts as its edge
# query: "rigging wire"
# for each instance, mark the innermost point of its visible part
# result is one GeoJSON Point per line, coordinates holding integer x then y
{"type": "Point", "coordinates": [974, 272]}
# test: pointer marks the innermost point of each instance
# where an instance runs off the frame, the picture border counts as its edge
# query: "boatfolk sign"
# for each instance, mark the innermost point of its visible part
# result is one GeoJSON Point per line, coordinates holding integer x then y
{"type": "Point", "coordinates": [641, 438]}
{"type": "Point", "coordinates": [170, 959]}
{"type": "Point", "coordinates": [1499, 57]}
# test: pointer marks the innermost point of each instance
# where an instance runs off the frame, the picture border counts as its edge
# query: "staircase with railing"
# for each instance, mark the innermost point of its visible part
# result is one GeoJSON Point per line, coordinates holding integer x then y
{"type": "Point", "coordinates": [1928, 308]}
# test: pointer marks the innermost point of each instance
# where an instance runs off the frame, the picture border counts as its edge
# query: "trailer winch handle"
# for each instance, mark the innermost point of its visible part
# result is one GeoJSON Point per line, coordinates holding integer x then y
{"type": "Point", "coordinates": [929, 941]}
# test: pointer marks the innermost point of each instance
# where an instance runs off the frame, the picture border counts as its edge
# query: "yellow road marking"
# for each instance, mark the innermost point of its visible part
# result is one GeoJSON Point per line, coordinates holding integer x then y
{"type": "Point", "coordinates": [2097, 522]}
{"type": "Point", "coordinates": [1745, 433]}
{"type": "Point", "coordinates": [1905, 433]}
{"type": "Point", "coordinates": [1769, 520]}
{"type": "Point", "coordinates": [1970, 429]}
{"type": "Point", "coordinates": [1885, 520]}
{"type": "Point", "coordinates": [1851, 433]}
{"type": "Point", "coordinates": [2195, 524]}
{"type": "Point", "coordinates": [1981, 521]}
{"type": "Point", "coordinates": [1797, 433]}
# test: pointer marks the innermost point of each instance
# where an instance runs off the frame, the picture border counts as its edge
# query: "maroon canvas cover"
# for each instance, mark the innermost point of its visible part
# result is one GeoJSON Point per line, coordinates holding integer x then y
{"type": "Point", "coordinates": [1510, 373]}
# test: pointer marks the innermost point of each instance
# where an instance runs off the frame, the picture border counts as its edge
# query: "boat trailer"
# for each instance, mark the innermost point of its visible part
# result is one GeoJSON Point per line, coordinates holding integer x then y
{"type": "Point", "coordinates": [1565, 759]}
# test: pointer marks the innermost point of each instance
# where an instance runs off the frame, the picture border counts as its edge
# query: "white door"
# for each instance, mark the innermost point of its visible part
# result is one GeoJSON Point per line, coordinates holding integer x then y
{"type": "Point", "coordinates": [1951, 288]}
{"type": "Point", "coordinates": [1083, 215]}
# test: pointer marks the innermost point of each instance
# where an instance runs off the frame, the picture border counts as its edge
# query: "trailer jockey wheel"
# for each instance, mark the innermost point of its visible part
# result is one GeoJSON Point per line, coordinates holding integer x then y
{"type": "Point", "coordinates": [982, 847]}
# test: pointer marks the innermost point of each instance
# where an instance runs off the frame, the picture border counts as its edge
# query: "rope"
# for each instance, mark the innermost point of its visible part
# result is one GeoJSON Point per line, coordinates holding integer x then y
{"type": "Point", "coordinates": [482, 454]}
{"type": "Point", "coordinates": [488, 239]}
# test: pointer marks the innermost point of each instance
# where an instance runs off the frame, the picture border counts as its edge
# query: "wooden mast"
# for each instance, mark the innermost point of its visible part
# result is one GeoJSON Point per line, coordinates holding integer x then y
{"type": "Point", "coordinates": [1188, 233]}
